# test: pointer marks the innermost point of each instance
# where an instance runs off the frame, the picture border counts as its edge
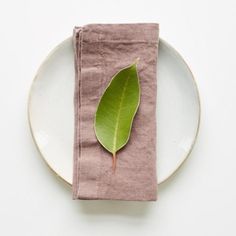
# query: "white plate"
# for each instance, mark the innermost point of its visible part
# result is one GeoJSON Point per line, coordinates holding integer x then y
{"type": "Point", "coordinates": [51, 114]}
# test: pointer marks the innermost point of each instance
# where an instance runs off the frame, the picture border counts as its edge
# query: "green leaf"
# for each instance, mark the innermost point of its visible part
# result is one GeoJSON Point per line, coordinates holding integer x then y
{"type": "Point", "coordinates": [116, 110]}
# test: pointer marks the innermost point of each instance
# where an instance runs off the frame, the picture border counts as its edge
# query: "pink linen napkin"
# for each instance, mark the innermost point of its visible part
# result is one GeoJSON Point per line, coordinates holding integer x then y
{"type": "Point", "coordinates": [101, 50]}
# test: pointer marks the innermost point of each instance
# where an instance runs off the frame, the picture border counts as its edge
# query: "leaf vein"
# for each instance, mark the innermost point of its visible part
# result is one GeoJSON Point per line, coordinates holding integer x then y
{"type": "Point", "coordinates": [118, 115]}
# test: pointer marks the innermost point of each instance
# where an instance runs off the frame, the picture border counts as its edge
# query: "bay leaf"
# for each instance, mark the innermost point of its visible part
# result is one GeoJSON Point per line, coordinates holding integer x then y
{"type": "Point", "coordinates": [116, 110]}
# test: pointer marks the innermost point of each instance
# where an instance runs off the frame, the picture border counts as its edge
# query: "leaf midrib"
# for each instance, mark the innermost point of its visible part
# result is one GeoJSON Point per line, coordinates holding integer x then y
{"type": "Point", "coordinates": [118, 116]}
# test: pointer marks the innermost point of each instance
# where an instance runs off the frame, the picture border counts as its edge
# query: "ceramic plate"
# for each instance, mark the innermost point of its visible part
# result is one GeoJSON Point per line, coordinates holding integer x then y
{"type": "Point", "coordinates": [51, 114]}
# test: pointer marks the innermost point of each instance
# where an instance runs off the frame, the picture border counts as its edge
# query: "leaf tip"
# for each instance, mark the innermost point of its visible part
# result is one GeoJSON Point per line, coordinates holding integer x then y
{"type": "Point", "coordinates": [136, 61]}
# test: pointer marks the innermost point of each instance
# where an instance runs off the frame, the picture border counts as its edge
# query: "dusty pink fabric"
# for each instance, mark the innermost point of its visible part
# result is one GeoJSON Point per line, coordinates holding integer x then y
{"type": "Point", "coordinates": [101, 50]}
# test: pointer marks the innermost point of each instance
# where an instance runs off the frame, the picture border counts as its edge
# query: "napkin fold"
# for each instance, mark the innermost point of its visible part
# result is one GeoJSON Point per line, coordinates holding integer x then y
{"type": "Point", "coordinates": [101, 50]}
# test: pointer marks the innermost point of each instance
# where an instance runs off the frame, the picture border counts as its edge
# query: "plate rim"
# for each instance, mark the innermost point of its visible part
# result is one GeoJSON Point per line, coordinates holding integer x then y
{"type": "Point", "coordinates": [70, 38]}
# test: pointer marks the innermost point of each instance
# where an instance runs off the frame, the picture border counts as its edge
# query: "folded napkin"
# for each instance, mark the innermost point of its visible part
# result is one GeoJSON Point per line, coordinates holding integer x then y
{"type": "Point", "coordinates": [101, 50]}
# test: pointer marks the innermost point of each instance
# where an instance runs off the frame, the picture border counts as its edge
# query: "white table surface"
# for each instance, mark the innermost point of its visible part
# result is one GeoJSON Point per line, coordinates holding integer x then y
{"type": "Point", "coordinates": [199, 200]}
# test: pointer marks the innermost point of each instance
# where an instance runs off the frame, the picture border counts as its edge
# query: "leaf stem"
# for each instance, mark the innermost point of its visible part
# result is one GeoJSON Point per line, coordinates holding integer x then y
{"type": "Point", "coordinates": [114, 162]}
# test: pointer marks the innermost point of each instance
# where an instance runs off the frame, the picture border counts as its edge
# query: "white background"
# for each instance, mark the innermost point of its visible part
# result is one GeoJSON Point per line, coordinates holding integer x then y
{"type": "Point", "coordinates": [199, 200]}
